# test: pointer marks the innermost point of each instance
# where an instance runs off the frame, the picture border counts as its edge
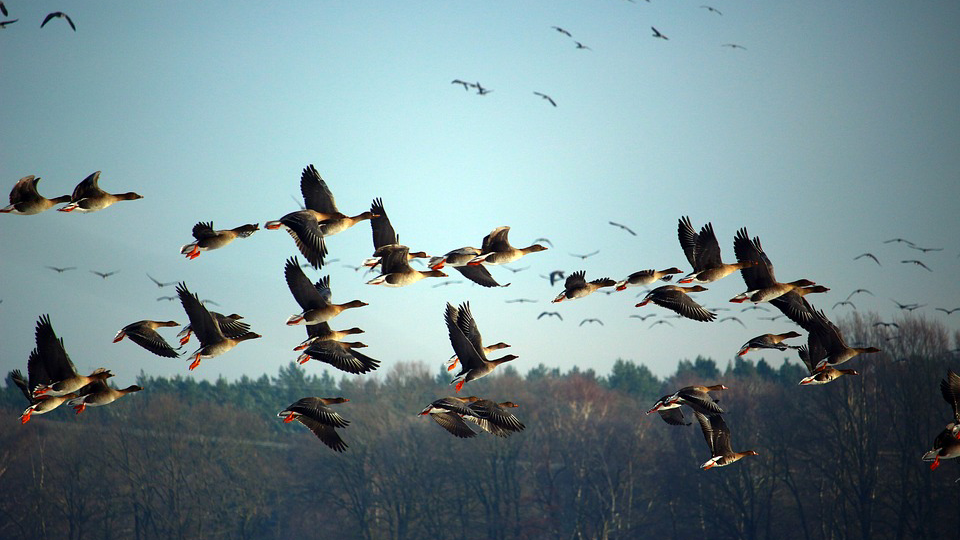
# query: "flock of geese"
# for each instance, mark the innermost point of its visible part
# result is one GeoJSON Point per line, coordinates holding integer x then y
{"type": "Point", "coordinates": [53, 380]}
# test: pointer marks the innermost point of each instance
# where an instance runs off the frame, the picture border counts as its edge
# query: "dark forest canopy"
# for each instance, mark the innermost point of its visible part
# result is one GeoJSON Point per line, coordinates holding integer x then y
{"type": "Point", "coordinates": [189, 459]}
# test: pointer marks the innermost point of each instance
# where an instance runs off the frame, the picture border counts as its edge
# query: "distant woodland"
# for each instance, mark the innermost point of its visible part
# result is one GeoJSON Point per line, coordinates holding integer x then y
{"type": "Point", "coordinates": [186, 459]}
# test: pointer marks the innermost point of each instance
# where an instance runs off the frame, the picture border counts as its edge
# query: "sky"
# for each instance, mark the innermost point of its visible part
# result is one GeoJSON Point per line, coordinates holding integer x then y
{"type": "Point", "coordinates": [835, 130]}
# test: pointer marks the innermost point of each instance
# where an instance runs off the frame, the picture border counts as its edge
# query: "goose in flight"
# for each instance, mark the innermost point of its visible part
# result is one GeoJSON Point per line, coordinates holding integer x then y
{"type": "Point", "coordinates": [25, 200]}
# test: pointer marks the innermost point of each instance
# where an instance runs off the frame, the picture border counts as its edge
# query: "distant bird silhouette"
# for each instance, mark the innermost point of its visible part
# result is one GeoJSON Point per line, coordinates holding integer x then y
{"type": "Point", "coordinates": [167, 298]}
{"type": "Point", "coordinates": [58, 15]}
{"type": "Point", "coordinates": [591, 320]}
{"type": "Point", "coordinates": [755, 306]}
{"type": "Point", "coordinates": [582, 46]}
{"type": "Point", "coordinates": [918, 263]}
{"type": "Point", "coordinates": [733, 319]}
{"type": "Point", "coordinates": [859, 291]}
{"type": "Point", "coordinates": [712, 9]}
{"type": "Point", "coordinates": [899, 240]}
{"type": "Point", "coordinates": [586, 255]}
{"type": "Point", "coordinates": [3, 9]}
{"type": "Point", "coordinates": [104, 275]}
{"type": "Point", "coordinates": [923, 249]}
{"type": "Point", "coordinates": [657, 34]}
{"type": "Point", "coordinates": [546, 97]}
{"type": "Point", "coordinates": [771, 319]}
{"type": "Point", "coordinates": [515, 270]}
{"type": "Point", "coordinates": [466, 86]}
{"type": "Point", "coordinates": [734, 46]}
{"type": "Point", "coordinates": [3, 24]}
{"type": "Point", "coordinates": [662, 321]}
{"type": "Point", "coordinates": [160, 284]}
{"type": "Point", "coordinates": [521, 301]}
{"type": "Point", "coordinates": [446, 282]}
{"type": "Point", "coordinates": [948, 311]}
{"type": "Point", "coordinates": [562, 31]}
{"type": "Point", "coordinates": [844, 303]}
{"type": "Point", "coordinates": [550, 314]}
{"type": "Point", "coordinates": [544, 241]}
{"type": "Point", "coordinates": [624, 227]}
{"type": "Point", "coordinates": [60, 270]}
{"type": "Point", "coordinates": [206, 301]}
{"type": "Point", "coordinates": [642, 317]}
{"type": "Point", "coordinates": [907, 307]}
{"type": "Point", "coordinates": [331, 261]}
{"type": "Point", "coordinates": [870, 255]}
{"type": "Point", "coordinates": [555, 276]}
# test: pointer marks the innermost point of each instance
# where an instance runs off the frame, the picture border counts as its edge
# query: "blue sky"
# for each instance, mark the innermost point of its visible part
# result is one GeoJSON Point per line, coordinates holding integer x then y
{"type": "Point", "coordinates": [836, 129]}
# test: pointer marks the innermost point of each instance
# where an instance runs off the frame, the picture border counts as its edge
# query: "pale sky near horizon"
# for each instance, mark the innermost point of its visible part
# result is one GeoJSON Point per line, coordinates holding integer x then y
{"type": "Point", "coordinates": [835, 130]}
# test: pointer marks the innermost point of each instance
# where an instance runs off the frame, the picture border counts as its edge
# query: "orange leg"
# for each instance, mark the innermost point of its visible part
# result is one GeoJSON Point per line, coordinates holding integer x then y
{"type": "Point", "coordinates": [935, 464]}
{"type": "Point", "coordinates": [459, 386]}
{"type": "Point", "coordinates": [641, 304]}
{"type": "Point", "coordinates": [80, 408]}
{"type": "Point", "coordinates": [196, 362]}
{"type": "Point", "coordinates": [290, 418]}
{"type": "Point", "coordinates": [25, 417]}
{"type": "Point", "coordinates": [453, 363]}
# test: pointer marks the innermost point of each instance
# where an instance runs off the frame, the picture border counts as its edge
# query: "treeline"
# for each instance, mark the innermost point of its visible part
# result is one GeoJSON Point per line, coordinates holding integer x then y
{"type": "Point", "coordinates": [187, 459]}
